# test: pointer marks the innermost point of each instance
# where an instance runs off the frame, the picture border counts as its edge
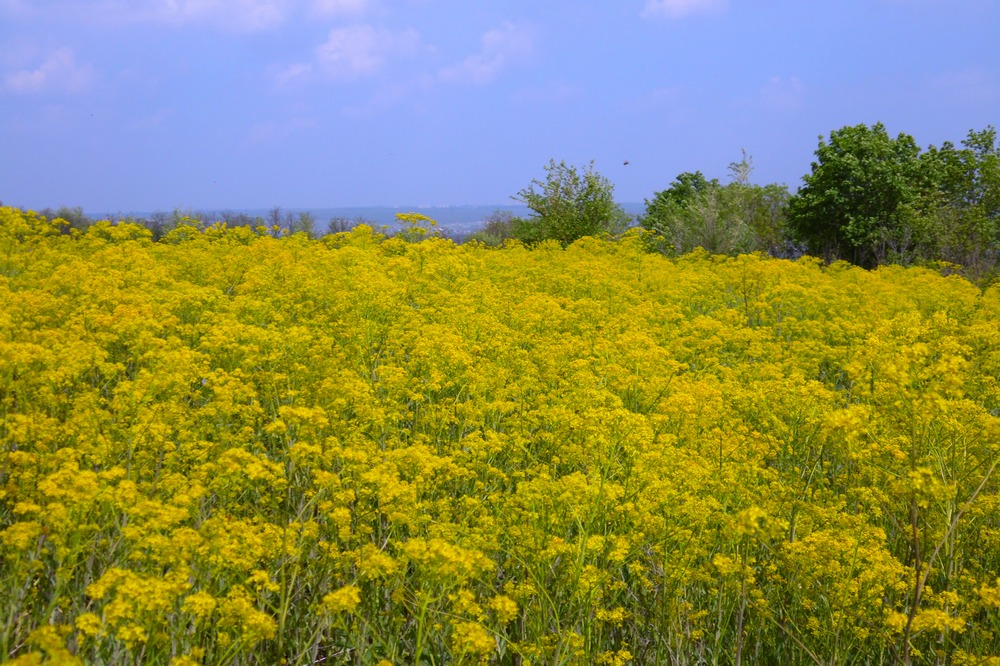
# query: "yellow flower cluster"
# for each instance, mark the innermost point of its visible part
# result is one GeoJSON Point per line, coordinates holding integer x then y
{"type": "Point", "coordinates": [233, 447]}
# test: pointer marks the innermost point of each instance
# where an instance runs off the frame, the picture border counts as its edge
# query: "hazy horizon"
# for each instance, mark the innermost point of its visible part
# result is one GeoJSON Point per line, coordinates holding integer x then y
{"type": "Point", "coordinates": [458, 218]}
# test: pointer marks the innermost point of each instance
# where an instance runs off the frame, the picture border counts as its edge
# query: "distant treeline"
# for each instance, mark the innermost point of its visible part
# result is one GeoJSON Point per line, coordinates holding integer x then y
{"type": "Point", "coordinates": [160, 223]}
{"type": "Point", "coordinates": [869, 199]}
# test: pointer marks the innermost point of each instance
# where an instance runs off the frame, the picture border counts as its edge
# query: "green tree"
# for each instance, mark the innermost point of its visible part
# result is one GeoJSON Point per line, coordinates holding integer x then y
{"type": "Point", "coordinates": [857, 203]}
{"type": "Point", "coordinates": [339, 225]}
{"type": "Point", "coordinates": [672, 213]}
{"type": "Point", "coordinates": [986, 176]}
{"type": "Point", "coordinates": [305, 223]}
{"type": "Point", "coordinates": [568, 205]}
{"type": "Point", "coordinates": [960, 202]}
{"type": "Point", "coordinates": [724, 219]}
{"type": "Point", "coordinates": [683, 191]}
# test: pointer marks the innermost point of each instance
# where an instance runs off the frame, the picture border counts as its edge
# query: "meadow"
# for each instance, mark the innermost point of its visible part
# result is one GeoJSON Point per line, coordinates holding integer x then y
{"type": "Point", "coordinates": [234, 446]}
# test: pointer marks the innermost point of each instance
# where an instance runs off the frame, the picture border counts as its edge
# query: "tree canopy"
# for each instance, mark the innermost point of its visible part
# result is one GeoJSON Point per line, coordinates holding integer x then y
{"type": "Point", "coordinates": [569, 204]}
{"type": "Point", "coordinates": [726, 219]}
{"type": "Point", "coordinates": [855, 202]}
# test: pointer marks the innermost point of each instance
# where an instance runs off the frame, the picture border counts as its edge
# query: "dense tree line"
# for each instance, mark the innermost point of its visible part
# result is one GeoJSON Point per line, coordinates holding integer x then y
{"type": "Point", "coordinates": [870, 199]}
{"type": "Point", "coordinates": [734, 218]}
{"type": "Point", "coordinates": [873, 199]}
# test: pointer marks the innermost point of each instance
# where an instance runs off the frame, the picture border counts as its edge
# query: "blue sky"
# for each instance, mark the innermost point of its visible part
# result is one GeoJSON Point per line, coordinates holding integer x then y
{"type": "Point", "coordinates": [140, 105]}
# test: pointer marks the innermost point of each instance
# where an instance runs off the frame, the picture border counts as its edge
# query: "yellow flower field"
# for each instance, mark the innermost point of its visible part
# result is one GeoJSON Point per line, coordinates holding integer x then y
{"type": "Point", "coordinates": [229, 447]}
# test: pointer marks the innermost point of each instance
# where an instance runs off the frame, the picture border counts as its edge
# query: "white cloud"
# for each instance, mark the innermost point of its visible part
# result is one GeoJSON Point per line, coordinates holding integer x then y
{"type": "Point", "coordinates": [781, 94]}
{"type": "Point", "coordinates": [510, 43]}
{"type": "Point", "coordinates": [351, 52]}
{"type": "Point", "coordinates": [361, 50]}
{"type": "Point", "coordinates": [58, 73]}
{"type": "Point", "coordinates": [674, 9]}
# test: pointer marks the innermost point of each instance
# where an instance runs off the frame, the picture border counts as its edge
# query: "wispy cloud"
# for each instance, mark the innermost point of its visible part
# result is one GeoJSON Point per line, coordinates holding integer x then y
{"type": "Point", "coordinates": [392, 94]}
{"type": "Point", "coordinates": [350, 53]}
{"type": "Point", "coordinates": [782, 94]}
{"type": "Point", "coordinates": [675, 9]}
{"type": "Point", "coordinates": [58, 73]}
{"type": "Point", "coordinates": [339, 7]}
{"type": "Point", "coordinates": [289, 74]}
{"type": "Point", "coordinates": [233, 15]}
{"type": "Point", "coordinates": [241, 15]}
{"type": "Point", "coordinates": [509, 44]}
{"type": "Point", "coordinates": [16, 8]}
{"type": "Point", "coordinates": [362, 50]}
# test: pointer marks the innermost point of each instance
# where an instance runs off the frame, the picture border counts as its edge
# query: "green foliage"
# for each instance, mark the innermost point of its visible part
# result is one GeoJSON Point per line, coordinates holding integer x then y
{"type": "Point", "coordinates": [569, 205]}
{"type": "Point", "coordinates": [858, 202]}
{"type": "Point", "coordinates": [75, 217]}
{"type": "Point", "coordinates": [960, 203]}
{"type": "Point", "coordinates": [304, 223]}
{"type": "Point", "coordinates": [872, 199]}
{"type": "Point", "coordinates": [723, 219]}
{"type": "Point", "coordinates": [682, 192]}
{"type": "Point", "coordinates": [500, 226]}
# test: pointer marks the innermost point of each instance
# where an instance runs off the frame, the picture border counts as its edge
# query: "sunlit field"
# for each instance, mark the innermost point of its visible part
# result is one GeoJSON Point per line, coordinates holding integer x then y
{"type": "Point", "coordinates": [228, 447]}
